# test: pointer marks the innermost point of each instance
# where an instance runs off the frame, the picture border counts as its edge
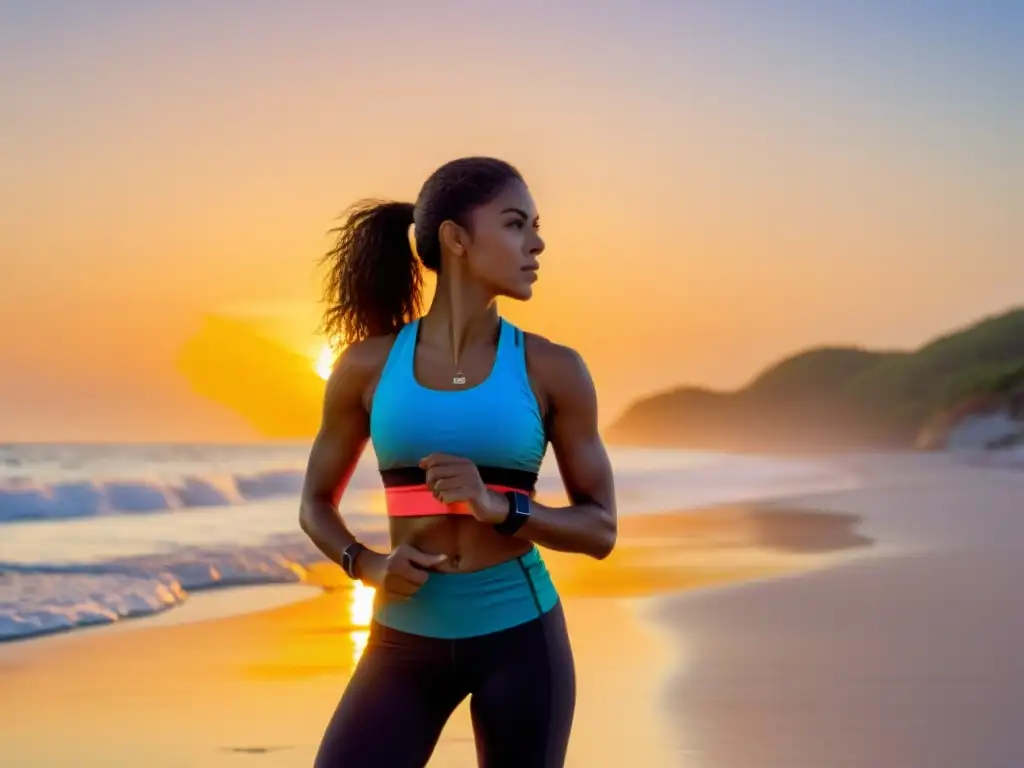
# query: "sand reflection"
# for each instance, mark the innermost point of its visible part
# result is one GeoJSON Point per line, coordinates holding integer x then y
{"type": "Point", "coordinates": [360, 614]}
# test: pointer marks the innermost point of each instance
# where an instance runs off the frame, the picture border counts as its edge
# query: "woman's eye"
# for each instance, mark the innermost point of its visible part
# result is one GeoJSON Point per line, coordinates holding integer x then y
{"type": "Point", "coordinates": [518, 224]}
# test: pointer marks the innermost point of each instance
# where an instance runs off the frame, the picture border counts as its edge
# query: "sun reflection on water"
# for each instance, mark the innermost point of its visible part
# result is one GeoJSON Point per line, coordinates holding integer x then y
{"type": "Point", "coordinates": [360, 614]}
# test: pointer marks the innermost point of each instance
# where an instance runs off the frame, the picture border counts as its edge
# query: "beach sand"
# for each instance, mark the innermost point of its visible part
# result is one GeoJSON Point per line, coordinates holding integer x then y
{"type": "Point", "coordinates": [193, 687]}
{"type": "Point", "coordinates": [911, 658]}
{"type": "Point", "coordinates": [873, 627]}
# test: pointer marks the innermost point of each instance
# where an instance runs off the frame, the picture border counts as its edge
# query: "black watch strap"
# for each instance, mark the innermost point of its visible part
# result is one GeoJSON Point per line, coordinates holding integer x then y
{"type": "Point", "coordinates": [348, 558]}
{"type": "Point", "coordinates": [518, 513]}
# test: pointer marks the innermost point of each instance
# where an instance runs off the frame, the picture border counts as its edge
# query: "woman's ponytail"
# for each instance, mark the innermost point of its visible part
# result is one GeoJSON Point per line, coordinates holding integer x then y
{"type": "Point", "coordinates": [374, 283]}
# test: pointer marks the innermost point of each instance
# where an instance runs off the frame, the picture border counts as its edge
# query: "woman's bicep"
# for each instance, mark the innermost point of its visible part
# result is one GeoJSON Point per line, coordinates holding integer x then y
{"type": "Point", "coordinates": [333, 456]}
{"type": "Point", "coordinates": [573, 430]}
{"type": "Point", "coordinates": [342, 435]}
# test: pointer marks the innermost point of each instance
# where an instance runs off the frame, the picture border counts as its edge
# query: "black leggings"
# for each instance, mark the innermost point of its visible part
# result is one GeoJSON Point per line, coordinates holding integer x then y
{"type": "Point", "coordinates": [522, 684]}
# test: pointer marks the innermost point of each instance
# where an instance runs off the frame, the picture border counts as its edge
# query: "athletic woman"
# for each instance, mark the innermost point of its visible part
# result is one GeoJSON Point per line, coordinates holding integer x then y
{"type": "Point", "coordinates": [459, 405]}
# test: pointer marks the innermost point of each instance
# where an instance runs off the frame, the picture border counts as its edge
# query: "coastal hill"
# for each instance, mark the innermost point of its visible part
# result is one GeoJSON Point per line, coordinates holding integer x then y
{"type": "Point", "coordinates": [849, 398]}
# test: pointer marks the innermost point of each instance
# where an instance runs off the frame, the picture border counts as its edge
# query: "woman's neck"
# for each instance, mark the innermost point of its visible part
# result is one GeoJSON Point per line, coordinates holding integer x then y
{"type": "Point", "coordinates": [459, 316]}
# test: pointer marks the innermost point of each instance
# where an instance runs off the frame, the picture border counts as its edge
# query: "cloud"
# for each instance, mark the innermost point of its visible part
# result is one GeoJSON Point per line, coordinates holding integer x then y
{"type": "Point", "coordinates": [231, 362]}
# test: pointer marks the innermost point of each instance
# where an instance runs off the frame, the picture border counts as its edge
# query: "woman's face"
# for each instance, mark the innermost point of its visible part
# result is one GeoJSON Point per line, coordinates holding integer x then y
{"type": "Point", "coordinates": [504, 243]}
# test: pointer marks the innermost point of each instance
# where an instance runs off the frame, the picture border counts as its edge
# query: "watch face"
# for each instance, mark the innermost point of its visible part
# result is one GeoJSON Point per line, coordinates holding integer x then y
{"type": "Point", "coordinates": [348, 562]}
{"type": "Point", "coordinates": [522, 504]}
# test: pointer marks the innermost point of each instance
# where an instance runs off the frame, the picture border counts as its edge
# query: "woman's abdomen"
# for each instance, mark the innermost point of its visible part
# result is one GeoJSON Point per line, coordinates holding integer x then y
{"type": "Point", "coordinates": [469, 544]}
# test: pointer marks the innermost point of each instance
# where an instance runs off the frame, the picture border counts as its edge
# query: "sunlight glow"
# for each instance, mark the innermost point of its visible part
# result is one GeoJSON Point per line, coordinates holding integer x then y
{"type": "Point", "coordinates": [361, 611]}
{"type": "Point", "coordinates": [360, 614]}
{"type": "Point", "coordinates": [325, 361]}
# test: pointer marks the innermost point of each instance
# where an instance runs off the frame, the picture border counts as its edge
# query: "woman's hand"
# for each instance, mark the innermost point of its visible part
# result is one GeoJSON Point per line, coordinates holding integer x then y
{"type": "Point", "coordinates": [399, 574]}
{"type": "Point", "coordinates": [452, 479]}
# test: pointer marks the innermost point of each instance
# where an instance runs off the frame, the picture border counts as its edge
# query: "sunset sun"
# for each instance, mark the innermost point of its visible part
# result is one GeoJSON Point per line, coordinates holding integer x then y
{"type": "Point", "coordinates": [325, 361]}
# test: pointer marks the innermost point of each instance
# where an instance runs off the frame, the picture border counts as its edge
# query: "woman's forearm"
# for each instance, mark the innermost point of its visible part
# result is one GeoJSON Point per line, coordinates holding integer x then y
{"type": "Point", "coordinates": [586, 528]}
{"type": "Point", "coordinates": [321, 521]}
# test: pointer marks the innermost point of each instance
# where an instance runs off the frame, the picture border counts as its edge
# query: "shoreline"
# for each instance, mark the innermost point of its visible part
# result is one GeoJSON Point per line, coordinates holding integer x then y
{"type": "Point", "coordinates": [300, 557]}
{"type": "Point", "coordinates": [211, 602]}
{"type": "Point", "coordinates": [206, 604]}
{"type": "Point", "coordinates": [68, 575]}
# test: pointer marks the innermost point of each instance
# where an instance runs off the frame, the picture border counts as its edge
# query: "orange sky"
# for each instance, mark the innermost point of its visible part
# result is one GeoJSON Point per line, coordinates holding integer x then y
{"type": "Point", "coordinates": [717, 188]}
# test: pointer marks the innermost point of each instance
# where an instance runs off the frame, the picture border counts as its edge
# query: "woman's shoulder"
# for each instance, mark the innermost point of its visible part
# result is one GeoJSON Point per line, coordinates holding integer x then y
{"type": "Point", "coordinates": [360, 363]}
{"type": "Point", "coordinates": [370, 352]}
{"type": "Point", "coordinates": [365, 354]}
{"type": "Point", "coordinates": [558, 367]}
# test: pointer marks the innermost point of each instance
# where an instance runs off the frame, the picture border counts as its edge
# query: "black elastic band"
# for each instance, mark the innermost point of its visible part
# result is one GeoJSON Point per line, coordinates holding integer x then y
{"type": "Point", "coordinates": [519, 479]}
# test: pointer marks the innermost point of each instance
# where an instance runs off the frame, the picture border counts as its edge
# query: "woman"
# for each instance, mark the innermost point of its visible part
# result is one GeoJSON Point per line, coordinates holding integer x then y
{"type": "Point", "coordinates": [459, 406]}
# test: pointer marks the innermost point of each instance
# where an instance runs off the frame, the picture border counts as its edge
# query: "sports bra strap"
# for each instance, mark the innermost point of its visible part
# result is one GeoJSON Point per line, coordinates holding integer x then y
{"type": "Point", "coordinates": [400, 357]}
{"type": "Point", "coordinates": [512, 349]}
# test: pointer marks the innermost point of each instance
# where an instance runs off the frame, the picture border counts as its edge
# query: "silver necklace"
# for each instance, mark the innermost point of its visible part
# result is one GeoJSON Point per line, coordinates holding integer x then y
{"type": "Point", "coordinates": [459, 378]}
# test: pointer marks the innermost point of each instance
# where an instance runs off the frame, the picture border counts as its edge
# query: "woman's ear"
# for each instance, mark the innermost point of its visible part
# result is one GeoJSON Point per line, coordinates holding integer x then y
{"type": "Point", "coordinates": [454, 239]}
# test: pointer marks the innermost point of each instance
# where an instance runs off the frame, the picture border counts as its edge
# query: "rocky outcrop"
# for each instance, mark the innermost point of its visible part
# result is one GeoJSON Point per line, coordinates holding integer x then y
{"type": "Point", "coordinates": [988, 421]}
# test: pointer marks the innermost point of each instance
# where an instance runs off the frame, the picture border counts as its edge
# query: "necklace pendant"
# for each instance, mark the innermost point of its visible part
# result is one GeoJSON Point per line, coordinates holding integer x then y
{"type": "Point", "coordinates": [459, 378]}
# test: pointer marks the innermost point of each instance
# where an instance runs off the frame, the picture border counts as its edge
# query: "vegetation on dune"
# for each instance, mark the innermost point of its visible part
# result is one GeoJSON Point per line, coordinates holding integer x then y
{"type": "Point", "coordinates": [842, 397]}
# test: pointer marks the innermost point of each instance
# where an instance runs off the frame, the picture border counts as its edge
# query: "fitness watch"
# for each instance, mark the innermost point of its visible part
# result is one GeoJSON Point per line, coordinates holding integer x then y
{"type": "Point", "coordinates": [518, 513]}
{"type": "Point", "coordinates": [348, 558]}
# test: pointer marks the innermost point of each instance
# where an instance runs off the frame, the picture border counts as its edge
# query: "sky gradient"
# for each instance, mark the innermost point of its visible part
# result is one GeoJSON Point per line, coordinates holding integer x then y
{"type": "Point", "coordinates": [720, 183]}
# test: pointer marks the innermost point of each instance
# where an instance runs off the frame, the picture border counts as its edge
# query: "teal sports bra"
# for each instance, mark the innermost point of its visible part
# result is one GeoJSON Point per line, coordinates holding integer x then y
{"type": "Point", "coordinates": [496, 424]}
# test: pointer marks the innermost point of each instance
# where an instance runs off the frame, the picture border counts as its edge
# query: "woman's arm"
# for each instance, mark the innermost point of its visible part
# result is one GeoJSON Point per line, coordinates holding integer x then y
{"type": "Point", "coordinates": [589, 525]}
{"type": "Point", "coordinates": [343, 433]}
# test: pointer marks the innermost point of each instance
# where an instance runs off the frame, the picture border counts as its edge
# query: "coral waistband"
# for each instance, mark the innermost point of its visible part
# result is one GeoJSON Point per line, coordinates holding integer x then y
{"type": "Point", "coordinates": [406, 493]}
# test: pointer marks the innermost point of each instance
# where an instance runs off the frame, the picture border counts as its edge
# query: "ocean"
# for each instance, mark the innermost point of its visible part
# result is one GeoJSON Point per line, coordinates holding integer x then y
{"type": "Point", "coordinates": [93, 534]}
